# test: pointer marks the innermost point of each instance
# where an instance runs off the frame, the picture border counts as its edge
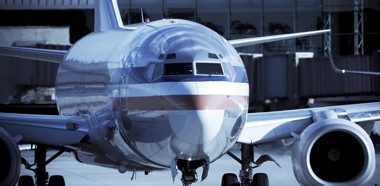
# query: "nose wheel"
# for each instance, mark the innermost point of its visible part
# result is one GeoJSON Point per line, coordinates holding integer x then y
{"type": "Point", "coordinates": [259, 179]}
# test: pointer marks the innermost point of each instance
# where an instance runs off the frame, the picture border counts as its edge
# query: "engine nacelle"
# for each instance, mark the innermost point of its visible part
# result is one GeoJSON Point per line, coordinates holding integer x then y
{"type": "Point", "coordinates": [333, 151]}
{"type": "Point", "coordinates": [10, 159]}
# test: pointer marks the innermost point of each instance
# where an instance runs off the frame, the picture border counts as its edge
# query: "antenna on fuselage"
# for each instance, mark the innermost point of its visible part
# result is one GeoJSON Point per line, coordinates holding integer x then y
{"type": "Point", "coordinates": [142, 16]}
{"type": "Point", "coordinates": [144, 20]}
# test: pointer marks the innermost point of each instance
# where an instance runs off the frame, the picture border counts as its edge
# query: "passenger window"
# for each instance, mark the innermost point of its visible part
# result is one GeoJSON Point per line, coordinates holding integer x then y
{"type": "Point", "coordinates": [178, 69]}
{"type": "Point", "coordinates": [209, 69]}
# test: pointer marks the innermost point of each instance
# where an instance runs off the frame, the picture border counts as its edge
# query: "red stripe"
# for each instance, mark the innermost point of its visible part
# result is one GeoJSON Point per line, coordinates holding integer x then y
{"type": "Point", "coordinates": [186, 102]}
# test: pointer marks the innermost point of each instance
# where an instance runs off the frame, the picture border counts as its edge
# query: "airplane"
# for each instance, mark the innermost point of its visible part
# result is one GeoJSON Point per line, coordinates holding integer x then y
{"type": "Point", "coordinates": [173, 94]}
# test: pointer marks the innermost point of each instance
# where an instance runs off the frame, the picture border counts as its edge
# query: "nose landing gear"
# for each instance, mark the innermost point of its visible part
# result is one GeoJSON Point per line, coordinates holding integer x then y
{"type": "Point", "coordinates": [188, 169]}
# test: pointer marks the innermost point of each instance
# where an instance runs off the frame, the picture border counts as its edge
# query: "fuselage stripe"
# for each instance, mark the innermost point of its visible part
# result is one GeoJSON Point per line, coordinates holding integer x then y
{"type": "Point", "coordinates": [185, 102]}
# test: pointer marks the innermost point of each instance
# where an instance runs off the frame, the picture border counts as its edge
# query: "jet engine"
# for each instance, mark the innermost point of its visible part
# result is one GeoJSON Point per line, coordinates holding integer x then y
{"type": "Point", "coordinates": [333, 151]}
{"type": "Point", "coordinates": [10, 159]}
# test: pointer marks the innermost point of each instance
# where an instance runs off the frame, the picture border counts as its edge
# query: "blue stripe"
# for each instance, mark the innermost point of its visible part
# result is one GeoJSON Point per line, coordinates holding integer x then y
{"type": "Point", "coordinates": [136, 75]}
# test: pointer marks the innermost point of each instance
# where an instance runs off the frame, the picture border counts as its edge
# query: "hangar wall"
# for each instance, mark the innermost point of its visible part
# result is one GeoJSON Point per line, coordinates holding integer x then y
{"type": "Point", "coordinates": [354, 23]}
{"type": "Point", "coordinates": [275, 76]}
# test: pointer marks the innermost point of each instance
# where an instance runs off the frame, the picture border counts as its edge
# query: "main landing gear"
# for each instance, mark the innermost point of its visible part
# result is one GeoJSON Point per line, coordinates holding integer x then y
{"type": "Point", "coordinates": [41, 175]}
{"type": "Point", "coordinates": [247, 165]}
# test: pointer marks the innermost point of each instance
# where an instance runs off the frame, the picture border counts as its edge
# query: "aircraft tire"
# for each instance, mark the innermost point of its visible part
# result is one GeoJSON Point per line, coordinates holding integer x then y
{"type": "Point", "coordinates": [260, 179]}
{"type": "Point", "coordinates": [10, 160]}
{"type": "Point", "coordinates": [26, 181]}
{"type": "Point", "coordinates": [230, 179]}
{"type": "Point", "coordinates": [56, 180]}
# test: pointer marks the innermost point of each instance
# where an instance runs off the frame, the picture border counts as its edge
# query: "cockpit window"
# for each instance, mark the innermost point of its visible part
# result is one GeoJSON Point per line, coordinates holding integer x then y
{"type": "Point", "coordinates": [212, 56]}
{"type": "Point", "coordinates": [161, 56]}
{"type": "Point", "coordinates": [229, 70]}
{"type": "Point", "coordinates": [178, 69]}
{"type": "Point", "coordinates": [171, 56]}
{"type": "Point", "coordinates": [149, 73]}
{"type": "Point", "coordinates": [153, 71]}
{"type": "Point", "coordinates": [209, 69]}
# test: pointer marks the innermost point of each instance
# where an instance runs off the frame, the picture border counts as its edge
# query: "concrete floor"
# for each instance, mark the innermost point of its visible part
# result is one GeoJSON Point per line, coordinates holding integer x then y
{"type": "Point", "coordinates": [76, 173]}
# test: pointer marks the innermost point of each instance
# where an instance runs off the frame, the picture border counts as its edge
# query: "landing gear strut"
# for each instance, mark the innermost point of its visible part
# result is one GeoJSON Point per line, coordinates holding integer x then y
{"type": "Point", "coordinates": [41, 174]}
{"type": "Point", "coordinates": [247, 165]}
{"type": "Point", "coordinates": [40, 157]}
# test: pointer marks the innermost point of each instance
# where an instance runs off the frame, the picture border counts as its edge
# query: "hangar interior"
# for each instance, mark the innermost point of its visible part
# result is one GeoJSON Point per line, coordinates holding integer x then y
{"type": "Point", "coordinates": [283, 75]}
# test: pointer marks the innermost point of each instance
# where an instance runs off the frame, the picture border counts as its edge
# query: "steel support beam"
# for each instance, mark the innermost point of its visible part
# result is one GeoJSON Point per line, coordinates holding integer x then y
{"type": "Point", "coordinates": [358, 27]}
{"type": "Point", "coordinates": [326, 9]}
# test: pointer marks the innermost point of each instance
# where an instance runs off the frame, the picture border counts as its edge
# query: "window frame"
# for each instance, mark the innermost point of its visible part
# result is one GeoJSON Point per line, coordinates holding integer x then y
{"type": "Point", "coordinates": [155, 73]}
{"type": "Point", "coordinates": [166, 63]}
{"type": "Point", "coordinates": [208, 62]}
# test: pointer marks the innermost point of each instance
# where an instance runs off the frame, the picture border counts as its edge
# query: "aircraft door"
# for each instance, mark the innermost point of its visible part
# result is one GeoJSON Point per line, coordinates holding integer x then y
{"type": "Point", "coordinates": [124, 87]}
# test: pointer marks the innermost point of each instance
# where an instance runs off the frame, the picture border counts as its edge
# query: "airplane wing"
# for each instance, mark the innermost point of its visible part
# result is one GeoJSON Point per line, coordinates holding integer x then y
{"type": "Point", "coordinates": [265, 39]}
{"type": "Point", "coordinates": [47, 55]}
{"type": "Point", "coordinates": [42, 129]}
{"type": "Point", "coordinates": [56, 56]}
{"type": "Point", "coordinates": [269, 126]}
{"type": "Point", "coordinates": [45, 129]}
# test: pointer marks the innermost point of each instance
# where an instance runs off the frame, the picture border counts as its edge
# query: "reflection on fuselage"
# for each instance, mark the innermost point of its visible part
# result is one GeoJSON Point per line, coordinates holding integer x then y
{"type": "Point", "coordinates": [168, 90]}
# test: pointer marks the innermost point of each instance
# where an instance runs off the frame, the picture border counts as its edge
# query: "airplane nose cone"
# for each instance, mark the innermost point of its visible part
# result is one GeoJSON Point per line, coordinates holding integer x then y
{"type": "Point", "coordinates": [197, 127]}
{"type": "Point", "coordinates": [196, 122]}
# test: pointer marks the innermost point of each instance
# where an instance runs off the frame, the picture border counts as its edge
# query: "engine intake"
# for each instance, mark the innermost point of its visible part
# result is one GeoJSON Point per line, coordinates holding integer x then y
{"type": "Point", "coordinates": [333, 151]}
{"type": "Point", "coordinates": [10, 159]}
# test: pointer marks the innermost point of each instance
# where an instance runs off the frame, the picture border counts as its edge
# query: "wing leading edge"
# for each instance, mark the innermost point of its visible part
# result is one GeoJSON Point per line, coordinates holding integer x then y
{"type": "Point", "coordinates": [265, 39]}
{"type": "Point", "coordinates": [56, 56]}
{"type": "Point", "coordinates": [45, 129]}
{"type": "Point", "coordinates": [269, 126]}
{"type": "Point", "coordinates": [47, 55]}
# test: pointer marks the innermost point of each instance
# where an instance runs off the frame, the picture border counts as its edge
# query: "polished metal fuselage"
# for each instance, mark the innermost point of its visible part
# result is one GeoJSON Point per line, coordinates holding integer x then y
{"type": "Point", "coordinates": [141, 119]}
